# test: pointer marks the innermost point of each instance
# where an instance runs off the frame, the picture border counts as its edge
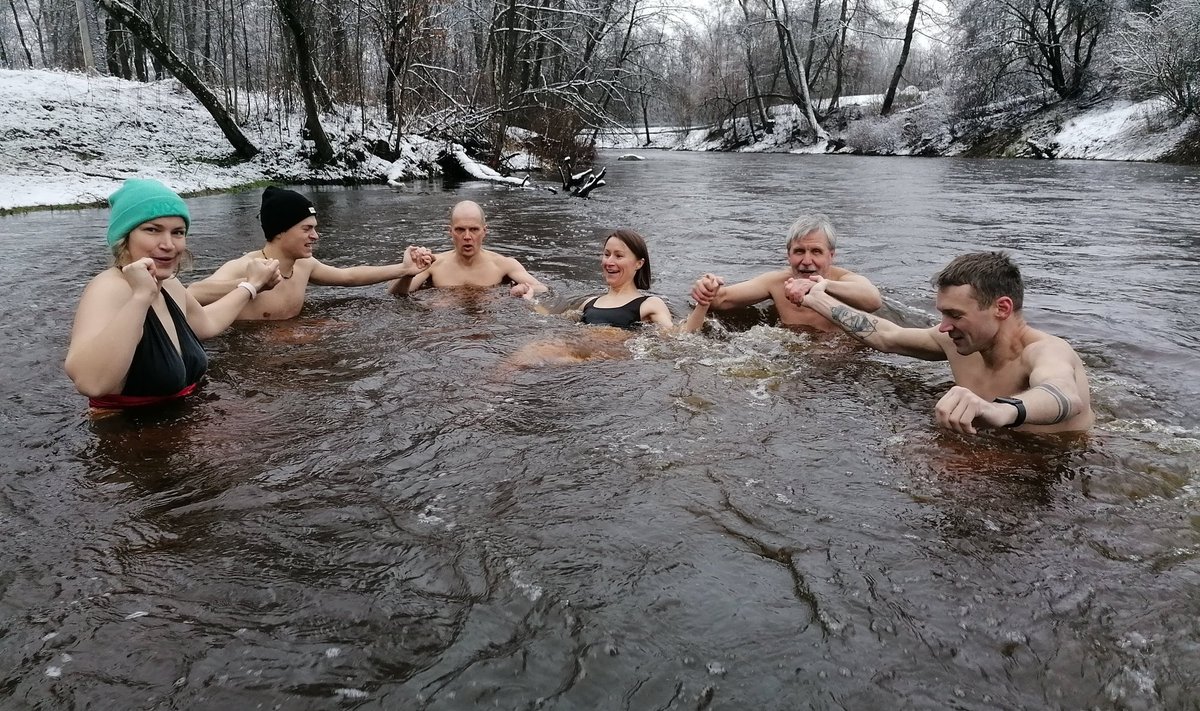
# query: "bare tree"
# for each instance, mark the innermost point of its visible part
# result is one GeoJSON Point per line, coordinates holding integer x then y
{"type": "Point", "coordinates": [20, 32]}
{"type": "Point", "coordinates": [140, 28]}
{"type": "Point", "coordinates": [290, 12]}
{"type": "Point", "coordinates": [908, 37]}
{"type": "Point", "coordinates": [1159, 53]}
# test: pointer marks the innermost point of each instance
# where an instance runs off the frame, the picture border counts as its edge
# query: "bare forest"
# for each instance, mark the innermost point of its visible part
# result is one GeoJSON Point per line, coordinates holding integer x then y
{"type": "Point", "coordinates": [471, 71]}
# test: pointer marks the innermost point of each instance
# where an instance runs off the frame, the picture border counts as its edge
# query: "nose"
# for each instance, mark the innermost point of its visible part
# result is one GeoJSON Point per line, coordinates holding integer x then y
{"type": "Point", "coordinates": [945, 326]}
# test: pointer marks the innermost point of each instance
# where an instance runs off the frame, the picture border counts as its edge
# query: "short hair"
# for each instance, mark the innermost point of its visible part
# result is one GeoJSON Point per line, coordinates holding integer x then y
{"type": "Point", "coordinates": [637, 245]}
{"type": "Point", "coordinates": [990, 274]}
{"type": "Point", "coordinates": [806, 224]}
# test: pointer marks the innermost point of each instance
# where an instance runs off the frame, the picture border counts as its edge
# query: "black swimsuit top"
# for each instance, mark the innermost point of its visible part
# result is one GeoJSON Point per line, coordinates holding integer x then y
{"type": "Point", "coordinates": [157, 369]}
{"type": "Point", "coordinates": [628, 315]}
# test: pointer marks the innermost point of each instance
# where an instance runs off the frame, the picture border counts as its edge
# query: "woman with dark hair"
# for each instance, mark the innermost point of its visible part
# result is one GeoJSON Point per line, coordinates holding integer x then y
{"type": "Point", "coordinates": [137, 330]}
{"type": "Point", "coordinates": [625, 264]}
{"type": "Point", "coordinates": [626, 269]}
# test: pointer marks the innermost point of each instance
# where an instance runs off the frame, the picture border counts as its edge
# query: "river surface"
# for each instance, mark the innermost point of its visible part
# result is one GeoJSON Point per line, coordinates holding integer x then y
{"type": "Point", "coordinates": [377, 506]}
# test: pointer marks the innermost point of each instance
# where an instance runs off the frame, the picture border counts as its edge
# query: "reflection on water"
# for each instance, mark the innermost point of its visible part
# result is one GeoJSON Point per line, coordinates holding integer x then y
{"type": "Point", "coordinates": [380, 505]}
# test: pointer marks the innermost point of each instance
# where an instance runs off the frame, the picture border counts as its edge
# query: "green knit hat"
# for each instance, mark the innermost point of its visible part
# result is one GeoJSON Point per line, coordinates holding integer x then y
{"type": "Point", "coordinates": [138, 201]}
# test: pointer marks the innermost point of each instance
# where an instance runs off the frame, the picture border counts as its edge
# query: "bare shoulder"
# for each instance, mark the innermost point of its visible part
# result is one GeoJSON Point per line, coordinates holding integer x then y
{"type": "Point", "coordinates": [1040, 344]}
{"type": "Point", "coordinates": [109, 281]}
{"type": "Point", "coordinates": [503, 261]}
{"type": "Point", "coordinates": [772, 279]}
{"type": "Point", "coordinates": [839, 274]}
{"type": "Point", "coordinates": [307, 265]}
{"type": "Point", "coordinates": [237, 265]}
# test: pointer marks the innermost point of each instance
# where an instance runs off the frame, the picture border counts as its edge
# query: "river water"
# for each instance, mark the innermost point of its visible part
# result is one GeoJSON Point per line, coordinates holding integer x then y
{"type": "Point", "coordinates": [373, 506]}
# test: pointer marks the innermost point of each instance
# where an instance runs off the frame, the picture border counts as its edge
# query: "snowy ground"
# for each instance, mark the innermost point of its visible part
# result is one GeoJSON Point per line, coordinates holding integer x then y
{"type": "Point", "coordinates": [1115, 130]}
{"type": "Point", "coordinates": [69, 139]}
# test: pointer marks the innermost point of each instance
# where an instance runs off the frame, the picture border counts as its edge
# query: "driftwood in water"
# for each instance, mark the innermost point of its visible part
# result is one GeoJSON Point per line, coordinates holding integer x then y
{"type": "Point", "coordinates": [457, 165]}
{"type": "Point", "coordinates": [582, 183]}
{"type": "Point", "coordinates": [592, 183]}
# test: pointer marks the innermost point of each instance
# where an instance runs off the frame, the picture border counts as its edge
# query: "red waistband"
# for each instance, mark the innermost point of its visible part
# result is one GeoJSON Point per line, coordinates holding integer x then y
{"type": "Point", "coordinates": [120, 402]}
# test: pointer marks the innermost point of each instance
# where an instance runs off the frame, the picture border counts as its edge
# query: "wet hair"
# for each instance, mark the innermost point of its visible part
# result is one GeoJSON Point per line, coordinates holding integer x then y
{"type": "Point", "coordinates": [120, 255]}
{"type": "Point", "coordinates": [816, 222]}
{"type": "Point", "coordinates": [990, 274]}
{"type": "Point", "coordinates": [637, 245]}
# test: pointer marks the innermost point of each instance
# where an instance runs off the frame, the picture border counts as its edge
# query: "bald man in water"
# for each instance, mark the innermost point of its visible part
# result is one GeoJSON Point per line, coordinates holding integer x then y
{"type": "Point", "coordinates": [1007, 373]}
{"type": "Point", "coordinates": [469, 264]}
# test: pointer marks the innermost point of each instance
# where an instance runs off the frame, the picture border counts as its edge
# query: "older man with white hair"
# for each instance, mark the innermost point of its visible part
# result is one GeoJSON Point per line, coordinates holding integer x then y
{"type": "Point", "coordinates": [811, 246]}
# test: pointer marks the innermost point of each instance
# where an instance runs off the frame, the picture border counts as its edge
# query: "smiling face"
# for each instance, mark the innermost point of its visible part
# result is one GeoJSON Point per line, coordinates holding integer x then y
{"type": "Point", "coordinates": [298, 241]}
{"type": "Point", "coordinates": [810, 255]}
{"type": "Point", "coordinates": [467, 229]}
{"type": "Point", "coordinates": [972, 327]}
{"type": "Point", "coordinates": [619, 264]}
{"type": "Point", "coordinates": [163, 239]}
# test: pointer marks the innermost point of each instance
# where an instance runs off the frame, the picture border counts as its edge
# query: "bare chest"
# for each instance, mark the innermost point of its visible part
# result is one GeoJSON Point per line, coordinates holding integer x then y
{"type": "Point", "coordinates": [482, 275]}
{"type": "Point", "coordinates": [973, 373]}
{"type": "Point", "coordinates": [793, 315]}
{"type": "Point", "coordinates": [285, 300]}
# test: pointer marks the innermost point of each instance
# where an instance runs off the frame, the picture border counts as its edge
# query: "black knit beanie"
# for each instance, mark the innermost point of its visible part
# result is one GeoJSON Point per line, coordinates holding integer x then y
{"type": "Point", "coordinates": [282, 209]}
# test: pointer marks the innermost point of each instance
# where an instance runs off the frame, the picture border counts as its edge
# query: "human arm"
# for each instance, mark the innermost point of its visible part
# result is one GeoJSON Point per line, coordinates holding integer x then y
{"type": "Point", "coordinates": [226, 279]}
{"type": "Point", "coordinates": [654, 310]}
{"type": "Point", "coordinates": [522, 278]}
{"type": "Point", "coordinates": [1052, 397]}
{"type": "Point", "coordinates": [108, 327]}
{"type": "Point", "coordinates": [745, 293]}
{"type": "Point", "coordinates": [416, 260]}
{"type": "Point", "coordinates": [854, 290]}
{"type": "Point", "coordinates": [878, 333]}
{"type": "Point", "coordinates": [209, 320]}
{"type": "Point", "coordinates": [702, 292]}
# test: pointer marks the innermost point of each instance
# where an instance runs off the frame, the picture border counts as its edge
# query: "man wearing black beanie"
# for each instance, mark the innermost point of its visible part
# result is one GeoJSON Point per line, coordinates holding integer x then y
{"type": "Point", "coordinates": [289, 223]}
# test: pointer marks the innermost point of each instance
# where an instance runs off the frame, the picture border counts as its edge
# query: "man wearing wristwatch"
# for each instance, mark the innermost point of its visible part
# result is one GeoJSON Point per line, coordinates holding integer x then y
{"type": "Point", "coordinates": [1007, 373]}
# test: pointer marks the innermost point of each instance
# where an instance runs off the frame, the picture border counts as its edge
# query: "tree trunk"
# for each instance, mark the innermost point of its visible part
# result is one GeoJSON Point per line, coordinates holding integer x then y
{"type": "Point", "coordinates": [305, 68]}
{"type": "Point", "coordinates": [142, 29]}
{"type": "Point", "coordinates": [37, 26]}
{"type": "Point", "coordinates": [20, 33]}
{"type": "Point", "coordinates": [908, 35]}
{"type": "Point", "coordinates": [838, 61]}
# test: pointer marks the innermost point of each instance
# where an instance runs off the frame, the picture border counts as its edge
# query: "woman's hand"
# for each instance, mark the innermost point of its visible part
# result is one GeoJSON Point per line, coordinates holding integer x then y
{"type": "Point", "coordinates": [263, 273]}
{"type": "Point", "coordinates": [141, 276]}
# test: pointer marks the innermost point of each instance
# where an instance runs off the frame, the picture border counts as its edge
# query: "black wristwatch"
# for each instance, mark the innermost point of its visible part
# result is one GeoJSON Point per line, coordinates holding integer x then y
{"type": "Point", "coordinates": [1020, 410]}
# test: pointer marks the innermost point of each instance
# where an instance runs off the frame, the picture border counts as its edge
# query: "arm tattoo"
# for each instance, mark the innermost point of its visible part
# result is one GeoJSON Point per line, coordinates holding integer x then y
{"type": "Point", "coordinates": [1064, 403]}
{"type": "Point", "coordinates": [856, 324]}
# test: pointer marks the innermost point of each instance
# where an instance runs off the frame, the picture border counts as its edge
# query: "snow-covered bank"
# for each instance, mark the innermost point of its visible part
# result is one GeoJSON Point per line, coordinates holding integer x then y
{"type": "Point", "coordinates": [69, 139]}
{"type": "Point", "coordinates": [1117, 129]}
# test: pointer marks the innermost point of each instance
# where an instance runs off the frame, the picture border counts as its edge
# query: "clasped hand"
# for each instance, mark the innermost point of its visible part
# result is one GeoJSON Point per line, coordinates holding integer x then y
{"type": "Point", "coordinates": [796, 289]}
{"type": "Point", "coordinates": [263, 274]}
{"type": "Point", "coordinates": [419, 258]}
{"type": "Point", "coordinates": [705, 289]}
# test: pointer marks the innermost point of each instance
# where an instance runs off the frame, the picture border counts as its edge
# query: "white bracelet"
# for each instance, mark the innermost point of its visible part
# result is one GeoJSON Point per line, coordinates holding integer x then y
{"type": "Point", "coordinates": [249, 289]}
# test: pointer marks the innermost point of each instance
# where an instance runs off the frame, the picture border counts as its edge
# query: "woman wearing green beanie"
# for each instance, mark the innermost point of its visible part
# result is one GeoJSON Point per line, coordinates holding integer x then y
{"type": "Point", "coordinates": [136, 335]}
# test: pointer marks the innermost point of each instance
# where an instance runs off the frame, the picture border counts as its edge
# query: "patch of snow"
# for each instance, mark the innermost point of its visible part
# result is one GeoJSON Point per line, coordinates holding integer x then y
{"type": "Point", "coordinates": [1121, 130]}
{"type": "Point", "coordinates": [72, 139]}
